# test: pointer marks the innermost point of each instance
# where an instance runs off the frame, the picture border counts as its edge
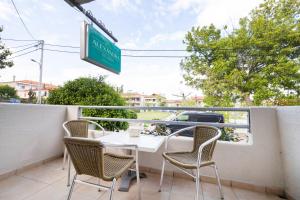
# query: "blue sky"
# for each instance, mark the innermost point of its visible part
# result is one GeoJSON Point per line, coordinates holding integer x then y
{"type": "Point", "coordinates": [155, 24]}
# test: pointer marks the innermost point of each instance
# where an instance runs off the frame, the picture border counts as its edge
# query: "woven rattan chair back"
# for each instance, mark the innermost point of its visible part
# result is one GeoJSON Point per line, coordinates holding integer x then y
{"type": "Point", "coordinates": [86, 155]}
{"type": "Point", "coordinates": [201, 135]}
{"type": "Point", "coordinates": [78, 128]}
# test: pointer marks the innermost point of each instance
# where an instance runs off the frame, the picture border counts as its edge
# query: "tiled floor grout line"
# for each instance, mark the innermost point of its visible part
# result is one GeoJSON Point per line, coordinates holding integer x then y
{"type": "Point", "coordinates": [30, 195]}
{"type": "Point", "coordinates": [171, 188]}
{"type": "Point", "coordinates": [234, 193]}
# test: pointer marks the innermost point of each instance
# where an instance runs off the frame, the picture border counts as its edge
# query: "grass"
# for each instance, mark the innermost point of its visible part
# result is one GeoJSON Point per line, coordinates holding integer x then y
{"type": "Point", "coordinates": [150, 115]}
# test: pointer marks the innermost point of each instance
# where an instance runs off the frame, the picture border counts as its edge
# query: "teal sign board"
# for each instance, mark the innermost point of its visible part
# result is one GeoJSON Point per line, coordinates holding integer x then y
{"type": "Point", "coordinates": [98, 50]}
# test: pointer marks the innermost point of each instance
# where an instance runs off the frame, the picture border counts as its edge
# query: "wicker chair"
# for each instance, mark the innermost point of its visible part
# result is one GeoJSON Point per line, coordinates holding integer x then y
{"type": "Point", "coordinates": [76, 128]}
{"type": "Point", "coordinates": [88, 158]}
{"type": "Point", "coordinates": [205, 139]}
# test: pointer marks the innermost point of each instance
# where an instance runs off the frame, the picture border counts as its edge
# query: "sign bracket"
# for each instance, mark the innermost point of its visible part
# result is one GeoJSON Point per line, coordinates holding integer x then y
{"type": "Point", "coordinates": [89, 15]}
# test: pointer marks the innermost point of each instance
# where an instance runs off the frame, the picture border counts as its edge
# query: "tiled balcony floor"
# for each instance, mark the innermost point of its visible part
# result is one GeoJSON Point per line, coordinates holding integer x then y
{"type": "Point", "coordinates": [48, 182]}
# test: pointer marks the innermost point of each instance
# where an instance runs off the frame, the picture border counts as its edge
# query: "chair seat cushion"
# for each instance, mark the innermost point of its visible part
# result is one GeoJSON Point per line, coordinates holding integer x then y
{"type": "Point", "coordinates": [116, 165]}
{"type": "Point", "coordinates": [187, 160]}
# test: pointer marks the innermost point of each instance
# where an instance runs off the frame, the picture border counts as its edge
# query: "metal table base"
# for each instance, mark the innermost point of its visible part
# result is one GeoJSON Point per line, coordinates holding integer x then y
{"type": "Point", "coordinates": [127, 179]}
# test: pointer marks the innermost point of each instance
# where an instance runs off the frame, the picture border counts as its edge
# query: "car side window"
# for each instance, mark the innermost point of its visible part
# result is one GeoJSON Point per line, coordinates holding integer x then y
{"type": "Point", "coordinates": [182, 118]}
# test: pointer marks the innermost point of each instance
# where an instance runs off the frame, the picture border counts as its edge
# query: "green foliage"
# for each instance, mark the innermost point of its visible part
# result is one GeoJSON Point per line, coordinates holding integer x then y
{"type": "Point", "coordinates": [255, 64]}
{"type": "Point", "coordinates": [31, 96]}
{"type": "Point", "coordinates": [93, 91]}
{"type": "Point", "coordinates": [4, 53]}
{"type": "Point", "coordinates": [188, 103]}
{"type": "Point", "coordinates": [7, 92]}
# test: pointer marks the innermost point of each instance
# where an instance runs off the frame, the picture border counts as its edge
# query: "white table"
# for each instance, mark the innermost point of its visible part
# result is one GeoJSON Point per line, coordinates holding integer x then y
{"type": "Point", "coordinates": [146, 143]}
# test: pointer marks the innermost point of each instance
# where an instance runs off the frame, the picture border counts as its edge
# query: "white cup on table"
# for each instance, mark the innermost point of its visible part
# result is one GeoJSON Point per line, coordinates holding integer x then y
{"type": "Point", "coordinates": [134, 132]}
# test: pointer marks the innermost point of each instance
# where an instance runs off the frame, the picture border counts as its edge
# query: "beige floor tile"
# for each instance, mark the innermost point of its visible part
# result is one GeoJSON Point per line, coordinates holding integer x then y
{"type": "Point", "coordinates": [211, 191]}
{"type": "Point", "coordinates": [15, 188]}
{"type": "Point", "coordinates": [49, 182]}
{"type": "Point", "coordinates": [43, 174]}
{"type": "Point", "coordinates": [182, 196]}
{"type": "Point", "coordinates": [250, 195]}
{"type": "Point", "coordinates": [151, 183]}
{"type": "Point", "coordinates": [154, 195]}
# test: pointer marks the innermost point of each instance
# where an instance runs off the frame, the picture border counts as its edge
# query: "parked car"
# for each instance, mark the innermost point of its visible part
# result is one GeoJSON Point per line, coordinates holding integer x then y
{"type": "Point", "coordinates": [193, 116]}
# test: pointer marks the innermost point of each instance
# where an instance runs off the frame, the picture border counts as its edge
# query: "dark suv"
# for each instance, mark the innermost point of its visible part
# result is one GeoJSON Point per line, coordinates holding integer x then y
{"type": "Point", "coordinates": [194, 116]}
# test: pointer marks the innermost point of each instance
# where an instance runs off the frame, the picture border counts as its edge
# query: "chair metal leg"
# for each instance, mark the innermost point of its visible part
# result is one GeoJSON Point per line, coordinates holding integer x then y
{"type": "Point", "coordinates": [112, 189]}
{"type": "Point", "coordinates": [197, 184]}
{"type": "Point", "coordinates": [65, 157]}
{"type": "Point", "coordinates": [138, 181]}
{"type": "Point", "coordinates": [162, 174]}
{"type": "Point", "coordinates": [72, 186]}
{"type": "Point", "coordinates": [219, 182]}
{"type": "Point", "coordinates": [99, 183]}
{"type": "Point", "coordinates": [69, 171]}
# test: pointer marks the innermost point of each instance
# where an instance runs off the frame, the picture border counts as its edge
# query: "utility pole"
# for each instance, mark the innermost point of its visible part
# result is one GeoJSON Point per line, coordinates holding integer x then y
{"type": "Point", "coordinates": [41, 43]}
{"type": "Point", "coordinates": [41, 72]}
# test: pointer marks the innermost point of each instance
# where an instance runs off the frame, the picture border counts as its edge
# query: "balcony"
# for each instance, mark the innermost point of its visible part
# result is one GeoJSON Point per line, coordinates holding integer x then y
{"type": "Point", "coordinates": [263, 168]}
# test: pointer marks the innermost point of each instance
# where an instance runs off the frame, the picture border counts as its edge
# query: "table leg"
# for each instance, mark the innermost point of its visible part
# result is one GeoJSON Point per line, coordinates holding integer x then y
{"type": "Point", "coordinates": [127, 178]}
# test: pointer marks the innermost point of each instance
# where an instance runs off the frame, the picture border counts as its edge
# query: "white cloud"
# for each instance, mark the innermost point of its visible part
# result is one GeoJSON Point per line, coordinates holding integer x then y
{"type": "Point", "coordinates": [6, 11]}
{"type": "Point", "coordinates": [183, 5]}
{"type": "Point", "coordinates": [162, 37]}
{"type": "Point", "coordinates": [47, 7]}
{"type": "Point", "coordinates": [220, 12]}
{"type": "Point", "coordinates": [119, 5]}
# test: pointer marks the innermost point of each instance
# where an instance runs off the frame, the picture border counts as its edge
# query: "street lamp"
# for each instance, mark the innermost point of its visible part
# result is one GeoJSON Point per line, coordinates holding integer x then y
{"type": "Point", "coordinates": [39, 100]}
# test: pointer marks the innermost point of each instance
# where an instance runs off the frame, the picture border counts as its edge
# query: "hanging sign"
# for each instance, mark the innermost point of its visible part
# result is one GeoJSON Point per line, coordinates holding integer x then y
{"type": "Point", "coordinates": [98, 50]}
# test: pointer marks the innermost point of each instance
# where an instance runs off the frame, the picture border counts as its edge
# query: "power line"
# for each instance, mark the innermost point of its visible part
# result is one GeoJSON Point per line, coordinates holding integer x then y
{"type": "Point", "coordinates": [155, 56]}
{"type": "Point", "coordinates": [25, 45]}
{"type": "Point", "coordinates": [154, 50]}
{"type": "Point", "coordinates": [57, 45]}
{"type": "Point", "coordinates": [23, 54]}
{"type": "Point", "coordinates": [56, 50]}
{"type": "Point", "coordinates": [124, 55]}
{"type": "Point", "coordinates": [16, 40]}
{"type": "Point", "coordinates": [24, 49]}
{"type": "Point", "coordinates": [26, 28]}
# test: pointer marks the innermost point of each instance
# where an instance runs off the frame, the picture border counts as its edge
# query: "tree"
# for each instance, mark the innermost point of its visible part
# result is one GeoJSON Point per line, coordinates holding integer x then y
{"type": "Point", "coordinates": [255, 64]}
{"type": "Point", "coordinates": [31, 96]}
{"type": "Point", "coordinates": [7, 92]}
{"type": "Point", "coordinates": [4, 53]}
{"type": "Point", "coordinates": [93, 91]}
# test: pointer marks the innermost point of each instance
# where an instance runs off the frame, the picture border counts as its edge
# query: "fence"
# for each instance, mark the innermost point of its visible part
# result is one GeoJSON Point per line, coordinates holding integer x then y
{"type": "Point", "coordinates": [219, 125]}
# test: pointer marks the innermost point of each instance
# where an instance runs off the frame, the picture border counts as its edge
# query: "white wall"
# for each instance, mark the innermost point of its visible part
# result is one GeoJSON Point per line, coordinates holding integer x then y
{"type": "Point", "coordinates": [29, 134]}
{"type": "Point", "coordinates": [289, 127]}
{"type": "Point", "coordinates": [258, 163]}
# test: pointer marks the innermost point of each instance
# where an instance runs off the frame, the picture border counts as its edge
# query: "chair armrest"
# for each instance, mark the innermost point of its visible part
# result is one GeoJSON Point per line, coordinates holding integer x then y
{"type": "Point", "coordinates": [176, 133]}
{"type": "Point", "coordinates": [98, 125]}
{"type": "Point", "coordinates": [66, 130]}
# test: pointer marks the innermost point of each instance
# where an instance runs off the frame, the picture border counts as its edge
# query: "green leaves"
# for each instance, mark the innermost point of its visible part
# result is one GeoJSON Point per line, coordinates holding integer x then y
{"type": "Point", "coordinates": [7, 92]}
{"type": "Point", "coordinates": [4, 53]}
{"type": "Point", "coordinates": [93, 91]}
{"type": "Point", "coordinates": [256, 64]}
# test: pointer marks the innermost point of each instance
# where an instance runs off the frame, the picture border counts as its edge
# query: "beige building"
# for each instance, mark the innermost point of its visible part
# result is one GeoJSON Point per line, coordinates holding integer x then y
{"type": "Point", "coordinates": [23, 86]}
{"type": "Point", "coordinates": [136, 99]}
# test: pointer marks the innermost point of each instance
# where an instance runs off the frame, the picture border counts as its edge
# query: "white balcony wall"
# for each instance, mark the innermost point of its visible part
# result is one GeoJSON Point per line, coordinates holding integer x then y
{"type": "Point", "coordinates": [29, 134]}
{"type": "Point", "coordinates": [258, 163]}
{"type": "Point", "coordinates": [289, 127]}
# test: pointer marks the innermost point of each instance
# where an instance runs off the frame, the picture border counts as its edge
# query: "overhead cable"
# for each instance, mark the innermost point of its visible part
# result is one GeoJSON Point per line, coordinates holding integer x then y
{"type": "Point", "coordinates": [24, 49]}
{"type": "Point", "coordinates": [26, 28]}
{"type": "Point", "coordinates": [23, 54]}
